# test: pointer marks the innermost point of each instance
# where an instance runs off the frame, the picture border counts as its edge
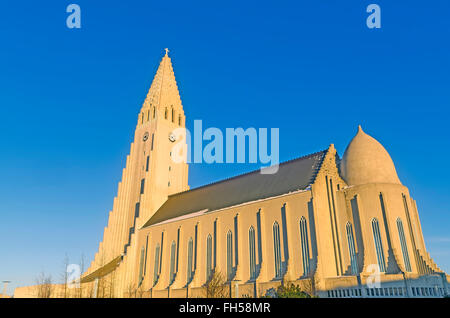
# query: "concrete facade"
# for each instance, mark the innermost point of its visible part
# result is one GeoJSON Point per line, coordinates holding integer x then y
{"type": "Point", "coordinates": [354, 218]}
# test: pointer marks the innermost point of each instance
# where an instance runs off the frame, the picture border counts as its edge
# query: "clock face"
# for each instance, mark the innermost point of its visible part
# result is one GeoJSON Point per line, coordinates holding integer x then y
{"type": "Point", "coordinates": [145, 137]}
{"type": "Point", "coordinates": [172, 137]}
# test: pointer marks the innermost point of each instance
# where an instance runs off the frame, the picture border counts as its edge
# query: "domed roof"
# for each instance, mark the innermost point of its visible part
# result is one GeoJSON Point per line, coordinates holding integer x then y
{"type": "Point", "coordinates": [366, 161]}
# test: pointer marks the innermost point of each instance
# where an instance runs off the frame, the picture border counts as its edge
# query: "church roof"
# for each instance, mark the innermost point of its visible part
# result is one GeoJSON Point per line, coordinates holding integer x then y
{"type": "Point", "coordinates": [293, 175]}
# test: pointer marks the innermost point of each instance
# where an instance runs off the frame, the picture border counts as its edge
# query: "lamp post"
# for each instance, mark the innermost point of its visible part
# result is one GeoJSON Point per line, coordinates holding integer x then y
{"type": "Point", "coordinates": [5, 285]}
{"type": "Point", "coordinates": [236, 287]}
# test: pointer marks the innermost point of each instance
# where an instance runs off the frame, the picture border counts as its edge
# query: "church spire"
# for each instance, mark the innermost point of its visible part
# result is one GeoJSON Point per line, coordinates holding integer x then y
{"type": "Point", "coordinates": [163, 95]}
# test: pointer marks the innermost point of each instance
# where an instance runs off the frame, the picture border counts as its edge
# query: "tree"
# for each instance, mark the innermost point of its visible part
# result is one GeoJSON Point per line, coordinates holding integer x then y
{"type": "Point", "coordinates": [44, 285]}
{"type": "Point", "coordinates": [111, 284]}
{"type": "Point", "coordinates": [64, 277]}
{"type": "Point", "coordinates": [309, 285]}
{"type": "Point", "coordinates": [215, 287]}
{"type": "Point", "coordinates": [140, 292]}
{"type": "Point", "coordinates": [79, 293]}
{"type": "Point", "coordinates": [288, 290]}
{"type": "Point", "coordinates": [101, 283]}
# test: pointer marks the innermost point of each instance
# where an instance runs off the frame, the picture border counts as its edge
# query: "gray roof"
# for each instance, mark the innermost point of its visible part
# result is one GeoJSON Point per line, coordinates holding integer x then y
{"type": "Point", "coordinates": [296, 174]}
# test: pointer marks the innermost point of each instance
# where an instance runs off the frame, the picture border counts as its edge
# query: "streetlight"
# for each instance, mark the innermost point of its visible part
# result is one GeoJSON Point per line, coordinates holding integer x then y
{"type": "Point", "coordinates": [236, 287]}
{"type": "Point", "coordinates": [5, 284]}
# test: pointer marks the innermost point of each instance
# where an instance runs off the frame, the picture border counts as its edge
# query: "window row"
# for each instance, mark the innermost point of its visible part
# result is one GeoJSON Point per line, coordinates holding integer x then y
{"type": "Point", "coordinates": [231, 252]}
{"type": "Point", "coordinates": [368, 292]}
{"type": "Point", "coordinates": [428, 291]}
{"type": "Point", "coordinates": [379, 245]}
{"type": "Point", "coordinates": [386, 292]}
{"type": "Point", "coordinates": [146, 116]}
{"type": "Point", "coordinates": [231, 255]}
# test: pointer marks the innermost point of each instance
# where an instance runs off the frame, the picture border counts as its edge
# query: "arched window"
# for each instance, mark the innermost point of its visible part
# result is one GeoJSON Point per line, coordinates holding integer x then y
{"type": "Point", "coordinates": [165, 113]}
{"type": "Point", "coordinates": [378, 244]}
{"type": "Point", "coordinates": [351, 248]}
{"type": "Point", "coordinates": [229, 254]}
{"type": "Point", "coordinates": [251, 245]}
{"type": "Point", "coordinates": [305, 245]}
{"type": "Point", "coordinates": [189, 262]}
{"type": "Point", "coordinates": [277, 249]}
{"type": "Point", "coordinates": [401, 234]}
{"type": "Point", "coordinates": [208, 257]}
{"type": "Point", "coordinates": [156, 267]}
{"type": "Point", "coordinates": [141, 265]}
{"type": "Point", "coordinates": [172, 262]}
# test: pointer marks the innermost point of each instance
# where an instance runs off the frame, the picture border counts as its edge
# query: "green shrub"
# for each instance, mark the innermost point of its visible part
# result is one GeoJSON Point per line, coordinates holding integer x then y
{"type": "Point", "coordinates": [286, 291]}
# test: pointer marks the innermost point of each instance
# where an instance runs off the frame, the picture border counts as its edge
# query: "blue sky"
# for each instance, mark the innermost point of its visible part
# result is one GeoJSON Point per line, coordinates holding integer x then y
{"type": "Point", "coordinates": [69, 100]}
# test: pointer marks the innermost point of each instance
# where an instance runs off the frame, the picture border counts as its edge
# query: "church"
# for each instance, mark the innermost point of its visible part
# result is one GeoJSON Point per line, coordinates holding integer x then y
{"type": "Point", "coordinates": [338, 227]}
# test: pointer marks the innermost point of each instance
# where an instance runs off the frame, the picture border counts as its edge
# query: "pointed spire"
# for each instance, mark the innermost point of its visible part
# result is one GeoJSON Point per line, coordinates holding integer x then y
{"type": "Point", "coordinates": [331, 147]}
{"type": "Point", "coordinates": [163, 92]}
{"type": "Point", "coordinates": [360, 129]}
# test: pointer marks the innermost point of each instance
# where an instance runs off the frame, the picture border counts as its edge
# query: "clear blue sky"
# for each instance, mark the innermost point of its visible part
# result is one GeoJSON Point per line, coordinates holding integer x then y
{"type": "Point", "coordinates": [69, 101]}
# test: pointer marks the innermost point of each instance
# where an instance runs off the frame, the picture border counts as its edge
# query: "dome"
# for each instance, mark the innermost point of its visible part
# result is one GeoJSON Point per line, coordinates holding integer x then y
{"type": "Point", "coordinates": [366, 161]}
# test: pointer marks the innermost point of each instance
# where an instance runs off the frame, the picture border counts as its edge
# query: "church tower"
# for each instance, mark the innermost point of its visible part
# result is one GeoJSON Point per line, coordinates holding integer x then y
{"type": "Point", "coordinates": [161, 114]}
{"type": "Point", "coordinates": [150, 175]}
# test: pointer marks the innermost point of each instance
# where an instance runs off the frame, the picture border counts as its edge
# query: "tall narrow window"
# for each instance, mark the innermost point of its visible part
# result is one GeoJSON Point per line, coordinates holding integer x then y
{"type": "Point", "coordinates": [154, 112]}
{"type": "Point", "coordinates": [208, 257]}
{"type": "Point", "coordinates": [173, 115]}
{"type": "Point", "coordinates": [252, 251]}
{"type": "Point", "coordinates": [136, 210]}
{"type": "Point", "coordinates": [351, 248]}
{"type": "Point", "coordinates": [401, 234]}
{"type": "Point", "coordinates": [147, 163]}
{"type": "Point", "coordinates": [156, 267]}
{"type": "Point", "coordinates": [305, 245]}
{"type": "Point", "coordinates": [236, 241]}
{"type": "Point", "coordinates": [142, 185]}
{"type": "Point", "coordinates": [148, 115]}
{"type": "Point", "coordinates": [153, 139]}
{"type": "Point", "coordinates": [215, 245]}
{"type": "Point", "coordinates": [189, 262]}
{"type": "Point", "coordinates": [195, 246]}
{"type": "Point", "coordinates": [165, 113]}
{"type": "Point", "coordinates": [145, 257]}
{"type": "Point", "coordinates": [277, 249]}
{"type": "Point", "coordinates": [172, 262]}
{"type": "Point", "coordinates": [178, 250]}
{"type": "Point", "coordinates": [378, 244]}
{"type": "Point", "coordinates": [161, 253]}
{"type": "Point", "coordinates": [229, 255]}
{"type": "Point", "coordinates": [179, 120]}
{"type": "Point", "coordinates": [141, 265]}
